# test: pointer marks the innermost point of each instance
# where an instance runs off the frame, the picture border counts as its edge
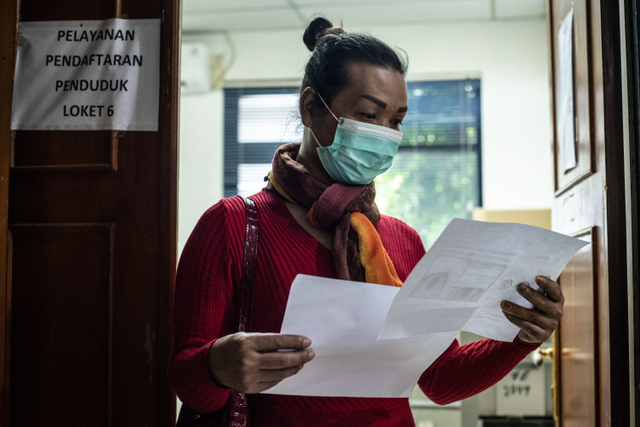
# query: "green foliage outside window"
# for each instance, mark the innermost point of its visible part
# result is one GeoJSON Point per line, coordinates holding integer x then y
{"type": "Point", "coordinates": [435, 176]}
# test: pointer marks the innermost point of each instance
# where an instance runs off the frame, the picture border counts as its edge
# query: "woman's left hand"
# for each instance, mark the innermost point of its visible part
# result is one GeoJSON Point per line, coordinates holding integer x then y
{"type": "Point", "coordinates": [536, 324]}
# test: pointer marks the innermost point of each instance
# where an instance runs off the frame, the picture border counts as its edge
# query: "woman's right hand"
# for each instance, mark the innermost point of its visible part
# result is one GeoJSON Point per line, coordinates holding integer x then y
{"type": "Point", "coordinates": [251, 362]}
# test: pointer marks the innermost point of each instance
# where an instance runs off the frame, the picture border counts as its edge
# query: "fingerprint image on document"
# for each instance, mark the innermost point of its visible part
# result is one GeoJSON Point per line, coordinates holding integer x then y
{"type": "Point", "coordinates": [443, 272]}
{"type": "Point", "coordinates": [506, 284]}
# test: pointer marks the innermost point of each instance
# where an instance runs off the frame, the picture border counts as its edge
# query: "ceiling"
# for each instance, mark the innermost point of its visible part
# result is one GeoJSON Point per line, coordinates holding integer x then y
{"type": "Point", "coordinates": [248, 15]}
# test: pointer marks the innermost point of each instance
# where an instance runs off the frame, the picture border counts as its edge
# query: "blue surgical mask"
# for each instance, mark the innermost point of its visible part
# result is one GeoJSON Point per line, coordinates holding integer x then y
{"type": "Point", "coordinates": [360, 151]}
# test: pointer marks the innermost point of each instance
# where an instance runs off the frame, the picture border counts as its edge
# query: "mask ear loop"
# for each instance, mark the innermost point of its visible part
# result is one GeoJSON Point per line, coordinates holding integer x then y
{"type": "Point", "coordinates": [325, 104]}
{"type": "Point", "coordinates": [334, 116]}
{"type": "Point", "coordinates": [314, 137]}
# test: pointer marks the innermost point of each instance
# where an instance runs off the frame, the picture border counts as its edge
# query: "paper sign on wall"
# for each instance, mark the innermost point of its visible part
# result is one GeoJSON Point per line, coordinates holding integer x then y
{"type": "Point", "coordinates": [522, 392]}
{"type": "Point", "coordinates": [87, 75]}
{"type": "Point", "coordinates": [565, 113]}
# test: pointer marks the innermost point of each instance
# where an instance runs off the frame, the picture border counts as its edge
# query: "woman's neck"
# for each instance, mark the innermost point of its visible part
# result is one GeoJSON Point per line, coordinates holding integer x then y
{"type": "Point", "coordinates": [308, 157]}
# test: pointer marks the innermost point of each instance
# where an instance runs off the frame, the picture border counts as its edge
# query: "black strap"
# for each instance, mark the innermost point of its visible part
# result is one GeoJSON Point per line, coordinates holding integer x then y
{"type": "Point", "coordinates": [235, 413]}
{"type": "Point", "coordinates": [238, 411]}
{"type": "Point", "coordinates": [248, 265]}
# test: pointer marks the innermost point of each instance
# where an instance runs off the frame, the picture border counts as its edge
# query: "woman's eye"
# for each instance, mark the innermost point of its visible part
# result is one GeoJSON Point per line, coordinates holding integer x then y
{"type": "Point", "coordinates": [368, 116]}
{"type": "Point", "coordinates": [397, 122]}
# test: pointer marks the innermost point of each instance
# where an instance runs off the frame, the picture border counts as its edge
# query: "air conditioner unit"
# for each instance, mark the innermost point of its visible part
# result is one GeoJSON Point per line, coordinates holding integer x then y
{"type": "Point", "coordinates": [195, 69]}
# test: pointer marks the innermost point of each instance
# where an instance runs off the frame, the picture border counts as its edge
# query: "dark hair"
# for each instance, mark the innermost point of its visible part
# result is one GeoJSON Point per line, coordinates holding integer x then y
{"type": "Point", "coordinates": [334, 50]}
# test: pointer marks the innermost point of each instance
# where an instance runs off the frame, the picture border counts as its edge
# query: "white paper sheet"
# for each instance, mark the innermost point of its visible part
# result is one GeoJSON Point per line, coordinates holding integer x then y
{"type": "Point", "coordinates": [375, 341]}
{"type": "Point", "coordinates": [565, 110]}
{"type": "Point", "coordinates": [343, 320]}
{"type": "Point", "coordinates": [473, 266]}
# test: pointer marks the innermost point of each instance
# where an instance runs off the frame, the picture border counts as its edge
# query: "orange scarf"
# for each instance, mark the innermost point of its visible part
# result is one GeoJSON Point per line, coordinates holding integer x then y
{"type": "Point", "coordinates": [377, 265]}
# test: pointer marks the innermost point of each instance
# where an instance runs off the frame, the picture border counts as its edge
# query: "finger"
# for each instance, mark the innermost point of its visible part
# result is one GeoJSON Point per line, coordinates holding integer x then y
{"type": "Point", "coordinates": [534, 331]}
{"type": "Point", "coordinates": [541, 320]}
{"type": "Point", "coordinates": [284, 359]}
{"type": "Point", "coordinates": [539, 301]}
{"type": "Point", "coordinates": [270, 375]}
{"type": "Point", "coordinates": [266, 342]}
{"type": "Point", "coordinates": [554, 293]}
{"type": "Point", "coordinates": [271, 378]}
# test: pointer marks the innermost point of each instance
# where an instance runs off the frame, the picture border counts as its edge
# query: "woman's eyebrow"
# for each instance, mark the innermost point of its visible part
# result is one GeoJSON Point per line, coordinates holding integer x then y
{"type": "Point", "coordinates": [375, 100]}
{"type": "Point", "coordinates": [381, 103]}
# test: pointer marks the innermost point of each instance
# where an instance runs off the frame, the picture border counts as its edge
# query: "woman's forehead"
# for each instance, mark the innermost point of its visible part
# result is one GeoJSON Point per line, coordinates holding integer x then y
{"type": "Point", "coordinates": [379, 82]}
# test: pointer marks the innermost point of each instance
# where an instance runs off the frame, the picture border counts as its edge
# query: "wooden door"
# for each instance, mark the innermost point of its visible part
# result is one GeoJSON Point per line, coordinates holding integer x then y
{"type": "Point", "coordinates": [91, 250]}
{"type": "Point", "coordinates": [592, 348]}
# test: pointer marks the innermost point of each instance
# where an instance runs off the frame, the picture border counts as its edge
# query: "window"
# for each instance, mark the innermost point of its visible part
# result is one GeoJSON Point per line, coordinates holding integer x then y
{"type": "Point", "coordinates": [435, 176]}
{"type": "Point", "coordinates": [257, 122]}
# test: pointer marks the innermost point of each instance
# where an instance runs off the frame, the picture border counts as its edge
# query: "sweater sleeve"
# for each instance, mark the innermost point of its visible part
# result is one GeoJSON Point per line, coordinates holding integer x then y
{"type": "Point", "coordinates": [465, 370]}
{"type": "Point", "coordinates": [204, 307]}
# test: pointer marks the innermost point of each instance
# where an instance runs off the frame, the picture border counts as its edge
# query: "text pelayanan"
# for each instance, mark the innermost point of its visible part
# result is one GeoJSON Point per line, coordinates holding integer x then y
{"type": "Point", "coordinates": [92, 36]}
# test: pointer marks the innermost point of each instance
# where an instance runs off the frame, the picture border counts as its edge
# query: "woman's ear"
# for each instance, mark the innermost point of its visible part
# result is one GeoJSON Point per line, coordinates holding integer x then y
{"type": "Point", "coordinates": [307, 99]}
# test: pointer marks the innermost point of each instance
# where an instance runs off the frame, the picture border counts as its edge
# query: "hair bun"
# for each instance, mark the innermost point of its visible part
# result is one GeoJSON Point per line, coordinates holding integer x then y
{"type": "Point", "coordinates": [315, 30]}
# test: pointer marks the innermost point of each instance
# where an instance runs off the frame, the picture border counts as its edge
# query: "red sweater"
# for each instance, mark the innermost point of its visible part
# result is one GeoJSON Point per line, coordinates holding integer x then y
{"type": "Point", "coordinates": [205, 309]}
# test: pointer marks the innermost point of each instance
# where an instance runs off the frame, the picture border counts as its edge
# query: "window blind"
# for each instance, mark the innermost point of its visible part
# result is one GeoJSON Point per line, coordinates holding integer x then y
{"type": "Point", "coordinates": [256, 122]}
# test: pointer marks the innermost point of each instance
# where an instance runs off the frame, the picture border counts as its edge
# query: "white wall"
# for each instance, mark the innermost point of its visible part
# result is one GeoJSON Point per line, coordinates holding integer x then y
{"type": "Point", "coordinates": [509, 57]}
{"type": "Point", "coordinates": [200, 175]}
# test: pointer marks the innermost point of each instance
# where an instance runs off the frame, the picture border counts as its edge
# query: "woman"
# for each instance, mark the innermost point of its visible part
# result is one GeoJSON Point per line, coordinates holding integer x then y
{"type": "Point", "coordinates": [317, 216]}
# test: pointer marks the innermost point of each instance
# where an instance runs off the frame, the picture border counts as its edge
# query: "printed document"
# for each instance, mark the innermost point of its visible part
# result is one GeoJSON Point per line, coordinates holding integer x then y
{"type": "Point", "coordinates": [458, 285]}
{"type": "Point", "coordinates": [343, 319]}
{"type": "Point", "coordinates": [375, 341]}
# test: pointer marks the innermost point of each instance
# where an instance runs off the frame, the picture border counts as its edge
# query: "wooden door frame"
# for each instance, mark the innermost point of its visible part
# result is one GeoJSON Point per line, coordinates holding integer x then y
{"type": "Point", "coordinates": [169, 119]}
{"type": "Point", "coordinates": [630, 33]}
{"type": "Point", "coordinates": [8, 13]}
{"type": "Point", "coordinates": [168, 129]}
{"type": "Point", "coordinates": [608, 88]}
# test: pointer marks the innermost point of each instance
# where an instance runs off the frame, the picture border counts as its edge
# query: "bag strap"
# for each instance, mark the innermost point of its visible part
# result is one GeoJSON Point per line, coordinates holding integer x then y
{"type": "Point", "coordinates": [238, 411]}
{"type": "Point", "coordinates": [237, 414]}
{"type": "Point", "coordinates": [248, 265]}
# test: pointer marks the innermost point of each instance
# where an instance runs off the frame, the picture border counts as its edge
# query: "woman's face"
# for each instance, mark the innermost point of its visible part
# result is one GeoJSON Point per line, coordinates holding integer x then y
{"type": "Point", "coordinates": [376, 95]}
